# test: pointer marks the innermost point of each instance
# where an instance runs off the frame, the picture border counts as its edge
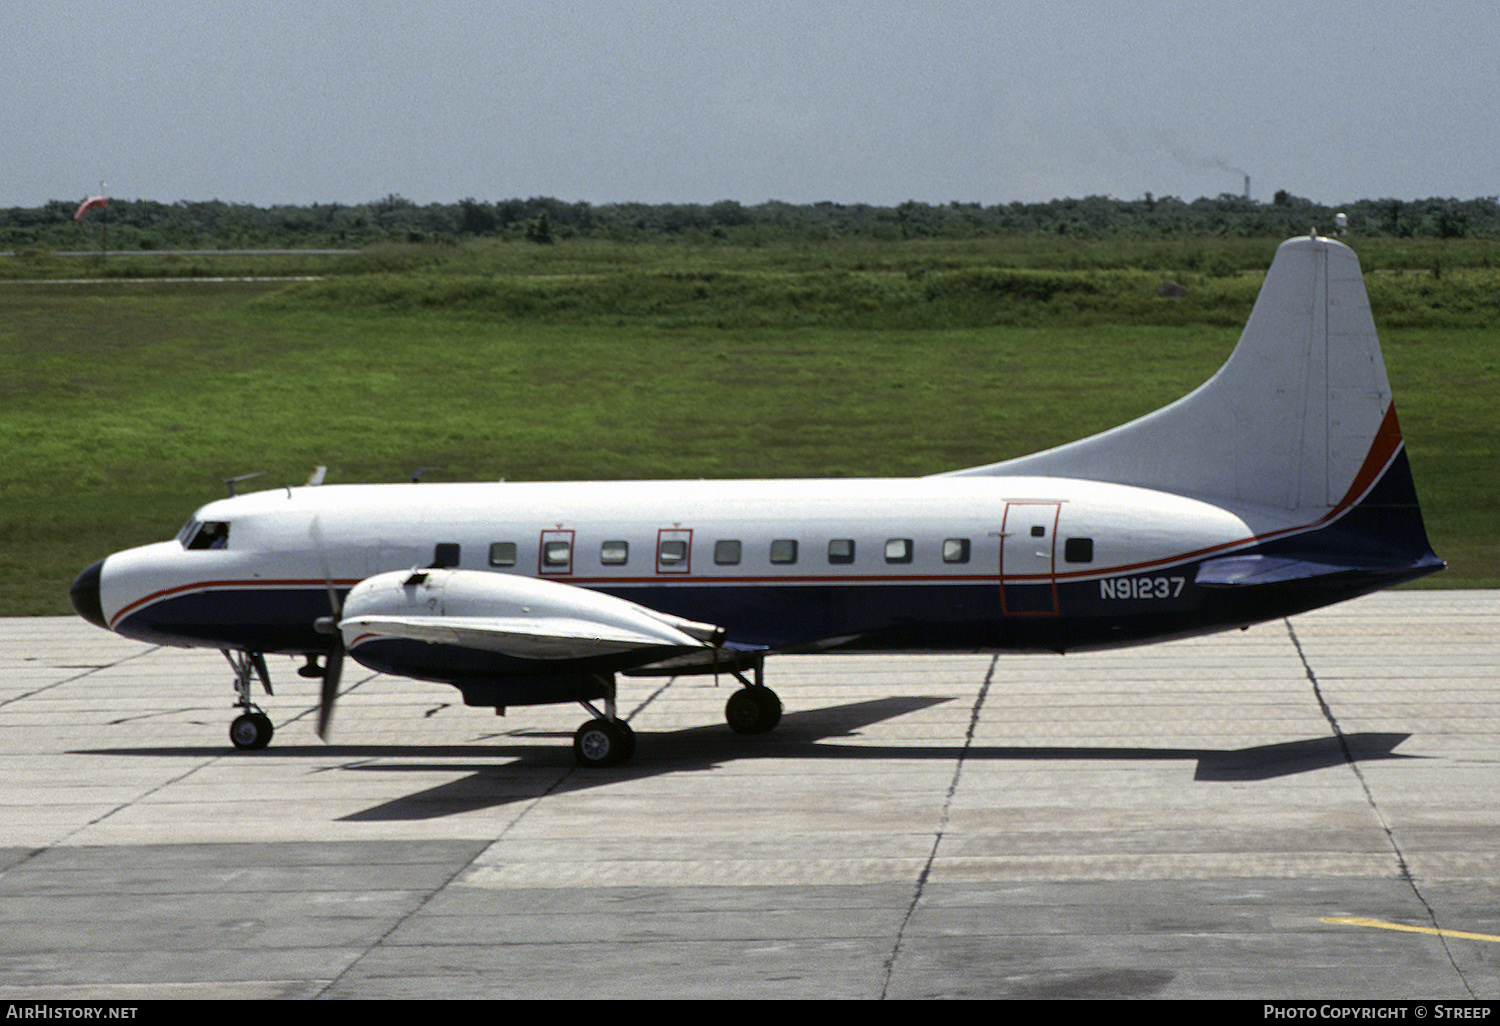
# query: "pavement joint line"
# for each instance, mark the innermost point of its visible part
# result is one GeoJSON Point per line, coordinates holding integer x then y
{"type": "Point", "coordinates": [90, 824]}
{"type": "Point", "coordinates": [1390, 834]}
{"type": "Point", "coordinates": [313, 709]}
{"type": "Point", "coordinates": [433, 892]}
{"type": "Point", "coordinates": [103, 816]}
{"type": "Point", "coordinates": [937, 840]}
{"type": "Point", "coordinates": [641, 707]}
{"type": "Point", "coordinates": [80, 676]}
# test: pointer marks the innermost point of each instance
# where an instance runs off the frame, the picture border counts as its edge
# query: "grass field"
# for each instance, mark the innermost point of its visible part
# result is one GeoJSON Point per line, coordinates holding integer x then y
{"type": "Point", "coordinates": [123, 405]}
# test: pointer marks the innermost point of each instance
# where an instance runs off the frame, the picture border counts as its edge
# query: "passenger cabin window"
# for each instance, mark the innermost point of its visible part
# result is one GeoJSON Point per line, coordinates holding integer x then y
{"type": "Point", "coordinates": [614, 553]}
{"type": "Point", "coordinates": [955, 550]}
{"type": "Point", "coordinates": [898, 550]}
{"type": "Point", "coordinates": [727, 552]}
{"type": "Point", "coordinates": [674, 550]}
{"type": "Point", "coordinates": [213, 534]}
{"type": "Point", "coordinates": [841, 550]}
{"type": "Point", "coordinates": [445, 554]}
{"type": "Point", "coordinates": [556, 554]}
{"type": "Point", "coordinates": [502, 554]}
{"type": "Point", "coordinates": [1039, 531]}
{"type": "Point", "coordinates": [784, 550]}
{"type": "Point", "coordinates": [1078, 550]}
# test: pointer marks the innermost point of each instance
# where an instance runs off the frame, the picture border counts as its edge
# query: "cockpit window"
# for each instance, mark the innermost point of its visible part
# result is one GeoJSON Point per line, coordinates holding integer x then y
{"type": "Point", "coordinates": [212, 534]}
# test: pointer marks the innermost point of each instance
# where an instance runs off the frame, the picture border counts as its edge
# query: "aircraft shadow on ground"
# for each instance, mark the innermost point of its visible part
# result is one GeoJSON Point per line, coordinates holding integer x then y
{"type": "Point", "coordinates": [801, 735]}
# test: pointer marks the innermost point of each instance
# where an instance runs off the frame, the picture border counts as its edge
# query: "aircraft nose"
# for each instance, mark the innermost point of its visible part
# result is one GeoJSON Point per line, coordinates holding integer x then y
{"type": "Point", "coordinates": [85, 595]}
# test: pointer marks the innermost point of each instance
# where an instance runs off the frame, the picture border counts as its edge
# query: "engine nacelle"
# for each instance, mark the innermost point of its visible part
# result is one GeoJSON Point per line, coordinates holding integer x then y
{"type": "Point", "coordinates": [467, 627]}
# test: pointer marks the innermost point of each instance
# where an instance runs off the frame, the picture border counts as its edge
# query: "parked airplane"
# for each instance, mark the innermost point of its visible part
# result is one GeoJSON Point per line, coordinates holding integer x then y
{"type": "Point", "coordinates": [1278, 486]}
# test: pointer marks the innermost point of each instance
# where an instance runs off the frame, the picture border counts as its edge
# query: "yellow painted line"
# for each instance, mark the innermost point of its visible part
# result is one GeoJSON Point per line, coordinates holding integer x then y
{"type": "Point", "coordinates": [1359, 921]}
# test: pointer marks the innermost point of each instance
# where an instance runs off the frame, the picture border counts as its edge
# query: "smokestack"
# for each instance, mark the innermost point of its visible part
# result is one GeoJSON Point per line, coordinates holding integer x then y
{"type": "Point", "coordinates": [1247, 187]}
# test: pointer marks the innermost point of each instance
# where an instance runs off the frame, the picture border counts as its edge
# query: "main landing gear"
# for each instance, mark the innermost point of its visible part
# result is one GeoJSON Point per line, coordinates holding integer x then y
{"type": "Point", "coordinates": [252, 728]}
{"type": "Point", "coordinates": [754, 708]}
{"type": "Point", "coordinates": [607, 740]}
{"type": "Point", "coordinates": [603, 741]}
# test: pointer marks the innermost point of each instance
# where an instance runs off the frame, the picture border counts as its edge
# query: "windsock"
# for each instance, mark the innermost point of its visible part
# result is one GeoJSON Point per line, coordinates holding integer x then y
{"type": "Point", "coordinates": [92, 201]}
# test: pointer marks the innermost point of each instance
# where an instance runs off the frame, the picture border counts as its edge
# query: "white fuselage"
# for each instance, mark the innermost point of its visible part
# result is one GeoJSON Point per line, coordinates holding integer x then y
{"type": "Point", "coordinates": [662, 537]}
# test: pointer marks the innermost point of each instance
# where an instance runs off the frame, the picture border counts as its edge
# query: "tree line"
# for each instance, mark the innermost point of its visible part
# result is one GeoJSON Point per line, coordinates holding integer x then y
{"type": "Point", "coordinates": [213, 224]}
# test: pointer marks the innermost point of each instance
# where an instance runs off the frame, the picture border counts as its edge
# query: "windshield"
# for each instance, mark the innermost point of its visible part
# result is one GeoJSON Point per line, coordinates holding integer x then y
{"type": "Point", "coordinates": [211, 534]}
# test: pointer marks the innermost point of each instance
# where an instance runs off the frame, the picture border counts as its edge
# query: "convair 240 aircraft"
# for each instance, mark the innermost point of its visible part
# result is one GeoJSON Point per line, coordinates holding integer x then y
{"type": "Point", "coordinates": [1278, 486]}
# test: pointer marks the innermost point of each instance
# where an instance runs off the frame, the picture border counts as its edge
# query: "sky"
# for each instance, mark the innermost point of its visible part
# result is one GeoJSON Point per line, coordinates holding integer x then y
{"type": "Point", "coordinates": [696, 101]}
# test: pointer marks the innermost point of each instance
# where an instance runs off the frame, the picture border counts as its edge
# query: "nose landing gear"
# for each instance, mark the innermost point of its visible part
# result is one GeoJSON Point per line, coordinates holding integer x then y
{"type": "Point", "coordinates": [251, 729]}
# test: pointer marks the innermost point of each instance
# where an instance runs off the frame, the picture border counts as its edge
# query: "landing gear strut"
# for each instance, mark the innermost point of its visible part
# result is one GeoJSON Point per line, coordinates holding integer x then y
{"type": "Point", "coordinates": [754, 709]}
{"type": "Point", "coordinates": [252, 728]}
{"type": "Point", "coordinates": [606, 740]}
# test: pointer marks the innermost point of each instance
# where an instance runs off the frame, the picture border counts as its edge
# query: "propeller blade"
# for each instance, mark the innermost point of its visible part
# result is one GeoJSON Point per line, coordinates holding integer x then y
{"type": "Point", "coordinates": [333, 663]}
{"type": "Point", "coordinates": [333, 670]}
{"type": "Point", "coordinates": [315, 531]}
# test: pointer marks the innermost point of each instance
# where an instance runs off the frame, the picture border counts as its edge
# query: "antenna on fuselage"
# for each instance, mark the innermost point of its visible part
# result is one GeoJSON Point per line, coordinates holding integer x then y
{"type": "Point", "coordinates": [416, 475]}
{"type": "Point", "coordinates": [230, 482]}
{"type": "Point", "coordinates": [316, 477]}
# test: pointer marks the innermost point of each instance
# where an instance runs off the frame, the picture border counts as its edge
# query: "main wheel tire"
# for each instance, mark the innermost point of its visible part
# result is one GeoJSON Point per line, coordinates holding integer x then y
{"type": "Point", "coordinates": [251, 731]}
{"type": "Point", "coordinates": [752, 710]}
{"type": "Point", "coordinates": [600, 743]}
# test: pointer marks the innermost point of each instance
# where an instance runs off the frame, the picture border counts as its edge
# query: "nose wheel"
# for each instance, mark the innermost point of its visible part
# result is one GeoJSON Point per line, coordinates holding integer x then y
{"type": "Point", "coordinates": [251, 730]}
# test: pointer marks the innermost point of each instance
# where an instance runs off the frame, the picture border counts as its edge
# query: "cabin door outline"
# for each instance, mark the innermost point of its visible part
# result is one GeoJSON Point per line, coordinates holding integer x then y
{"type": "Point", "coordinates": [1028, 563]}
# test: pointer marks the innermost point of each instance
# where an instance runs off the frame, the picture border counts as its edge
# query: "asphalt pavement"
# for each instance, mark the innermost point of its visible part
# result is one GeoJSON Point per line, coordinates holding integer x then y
{"type": "Point", "coordinates": [1307, 809]}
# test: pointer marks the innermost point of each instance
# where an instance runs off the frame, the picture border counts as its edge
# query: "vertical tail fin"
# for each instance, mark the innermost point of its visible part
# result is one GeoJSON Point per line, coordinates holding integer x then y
{"type": "Point", "coordinates": [1293, 418]}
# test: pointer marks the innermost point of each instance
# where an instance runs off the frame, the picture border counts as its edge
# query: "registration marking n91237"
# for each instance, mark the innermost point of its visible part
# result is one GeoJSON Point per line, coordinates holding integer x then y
{"type": "Point", "coordinates": [1140, 587]}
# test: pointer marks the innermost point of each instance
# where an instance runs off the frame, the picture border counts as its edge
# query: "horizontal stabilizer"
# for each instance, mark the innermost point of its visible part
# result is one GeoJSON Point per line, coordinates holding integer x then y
{"type": "Point", "coordinates": [1244, 571]}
